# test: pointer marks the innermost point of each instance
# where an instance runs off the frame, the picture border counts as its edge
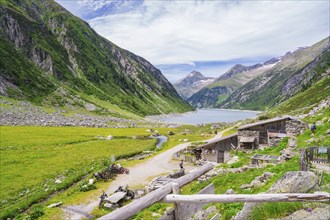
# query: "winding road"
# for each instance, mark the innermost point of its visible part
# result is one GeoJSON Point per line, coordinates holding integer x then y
{"type": "Point", "coordinates": [140, 174]}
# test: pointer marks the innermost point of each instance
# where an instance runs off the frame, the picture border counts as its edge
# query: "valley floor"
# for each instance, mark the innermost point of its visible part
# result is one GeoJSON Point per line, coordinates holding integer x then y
{"type": "Point", "coordinates": [141, 174]}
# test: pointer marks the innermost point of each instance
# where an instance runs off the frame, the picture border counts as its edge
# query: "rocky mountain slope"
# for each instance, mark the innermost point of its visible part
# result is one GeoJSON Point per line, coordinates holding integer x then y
{"type": "Point", "coordinates": [296, 72]}
{"type": "Point", "coordinates": [52, 58]}
{"type": "Point", "coordinates": [192, 83]}
{"type": "Point", "coordinates": [213, 94]}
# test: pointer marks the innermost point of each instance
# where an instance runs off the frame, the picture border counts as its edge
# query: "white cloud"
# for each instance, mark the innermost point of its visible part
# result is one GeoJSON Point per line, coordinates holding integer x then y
{"type": "Point", "coordinates": [166, 32]}
{"type": "Point", "coordinates": [94, 5]}
{"type": "Point", "coordinates": [185, 32]}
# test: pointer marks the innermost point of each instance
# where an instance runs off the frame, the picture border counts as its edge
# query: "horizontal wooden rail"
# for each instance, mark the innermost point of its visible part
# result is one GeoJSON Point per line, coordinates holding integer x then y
{"type": "Point", "coordinates": [155, 196]}
{"type": "Point", "coordinates": [282, 197]}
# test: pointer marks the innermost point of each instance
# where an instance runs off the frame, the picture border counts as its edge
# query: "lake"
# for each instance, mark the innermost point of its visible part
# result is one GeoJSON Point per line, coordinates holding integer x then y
{"type": "Point", "coordinates": [206, 116]}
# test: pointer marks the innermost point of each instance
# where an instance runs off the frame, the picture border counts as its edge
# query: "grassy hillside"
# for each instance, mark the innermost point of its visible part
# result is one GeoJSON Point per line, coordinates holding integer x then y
{"type": "Point", "coordinates": [294, 73]}
{"type": "Point", "coordinates": [303, 102]}
{"type": "Point", "coordinates": [214, 94]}
{"type": "Point", "coordinates": [54, 50]}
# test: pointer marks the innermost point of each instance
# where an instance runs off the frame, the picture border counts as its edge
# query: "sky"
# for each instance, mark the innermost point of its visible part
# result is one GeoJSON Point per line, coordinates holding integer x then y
{"type": "Point", "coordinates": [209, 36]}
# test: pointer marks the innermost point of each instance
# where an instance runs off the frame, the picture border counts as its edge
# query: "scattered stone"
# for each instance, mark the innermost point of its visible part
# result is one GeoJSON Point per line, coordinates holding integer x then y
{"type": "Point", "coordinates": [203, 214]}
{"type": "Point", "coordinates": [328, 132]}
{"type": "Point", "coordinates": [109, 137]}
{"type": "Point", "coordinates": [245, 186]}
{"type": "Point", "coordinates": [168, 209]}
{"type": "Point", "coordinates": [58, 181]}
{"type": "Point", "coordinates": [256, 183]}
{"type": "Point", "coordinates": [185, 140]}
{"type": "Point", "coordinates": [55, 205]}
{"type": "Point", "coordinates": [154, 214]}
{"type": "Point", "coordinates": [230, 191]}
{"type": "Point", "coordinates": [91, 181]}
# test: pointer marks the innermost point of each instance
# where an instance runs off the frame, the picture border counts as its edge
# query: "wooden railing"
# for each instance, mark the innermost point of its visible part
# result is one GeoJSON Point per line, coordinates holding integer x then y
{"type": "Point", "coordinates": [313, 154]}
{"type": "Point", "coordinates": [183, 204]}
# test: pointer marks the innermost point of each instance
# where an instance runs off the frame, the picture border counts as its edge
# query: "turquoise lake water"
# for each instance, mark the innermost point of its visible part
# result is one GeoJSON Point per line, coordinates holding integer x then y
{"type": "Point", "coordinates": [207, 116]}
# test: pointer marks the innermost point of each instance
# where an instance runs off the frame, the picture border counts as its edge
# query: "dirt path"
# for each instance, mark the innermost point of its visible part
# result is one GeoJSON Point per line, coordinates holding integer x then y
{"type": "Point", "coordinates": [140, 174]}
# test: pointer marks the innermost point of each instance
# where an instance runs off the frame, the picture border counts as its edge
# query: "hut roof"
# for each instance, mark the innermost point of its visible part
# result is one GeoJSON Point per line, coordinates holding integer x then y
{"type": "Point", "coordinates": [265, 122]}
{"type": "Point", "coordinates": [210, 144]}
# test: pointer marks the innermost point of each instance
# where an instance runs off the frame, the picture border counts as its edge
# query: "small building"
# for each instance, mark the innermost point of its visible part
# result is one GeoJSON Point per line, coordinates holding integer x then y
{"type": "Point", "coordinates": [268, 132]}
{"type": "Point", "coordinates": [219, 150]}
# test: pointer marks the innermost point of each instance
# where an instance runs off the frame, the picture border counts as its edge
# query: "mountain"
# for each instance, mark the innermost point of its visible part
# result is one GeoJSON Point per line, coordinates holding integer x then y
{"type": "Point", "coordinates": [52, 58]}
{"type": "Point", "coordinates": [296, 72]}
{"type": "Point", "coordinates": [190, 84]}
{"type": "Point", "coordinates": [213, 94]}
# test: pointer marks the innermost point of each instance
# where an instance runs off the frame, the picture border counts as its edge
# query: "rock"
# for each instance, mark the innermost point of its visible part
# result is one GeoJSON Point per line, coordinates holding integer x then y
{"type": "Point", "coordinates": [256, 183]}
{"type": "Point", "coordinates": [168, 209]}
{"type": "Point", "coordinates": [110, 206]}
{"type": "Point", "coordinates": [109, 137]}
{"type": "Point", "coordinates": [328, 132]}
{"type": "Point", "coordinates": [295, 182]}
{"type": "Point", "coordinates": [55, 205]}
{"type": "Point", "coordinates": [310, 214]}
{"type": "Point", "coordinates": [185, 140]}
{"type": "Point", "coordinates": [260, 178]}
{"type": "Point", "coordinates": [268, 175]}
{"type": "Point", "coordinates": [203, 214]}
{"type": "Point", "coordinates": [245, 168]}
{"type": "Point", "coordinates": [230, 191]}
{"type": "Point", "coordinates": [291, 182]}
{"type": "Point", "coordinates": [91, 181]}
{"type": "Point", "coordinates": [58, 181]}
{"type": "Point", "coordinates": [154, 214]}
{"type": "Point", "coordinates": [245, 186]}
{"type": "Point", "coordinates": [90, 107]}
{"type": "Point", "coordinates": [319, 123]}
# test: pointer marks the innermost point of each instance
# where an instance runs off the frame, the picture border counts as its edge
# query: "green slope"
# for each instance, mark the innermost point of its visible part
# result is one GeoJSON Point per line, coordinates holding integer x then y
{"type": "Point", "coordinates": [296, 72]}
{"type": "Point", "coordinates": [61, 52]}
{"type": "Point", "coordinates": [304, 101]}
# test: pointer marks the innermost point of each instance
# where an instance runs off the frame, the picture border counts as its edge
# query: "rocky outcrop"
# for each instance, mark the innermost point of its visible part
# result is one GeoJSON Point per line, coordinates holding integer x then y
{"type": "Point", "coordinates": [320, 213]}
{"type": "Point", "coordinates": [42, 59]}
{"type": "Point", "coordinates": [295, 182]}
{"type": "Point", "coordinates": [12, 29]}
{"type": "Point", "coordinates": [291, 182]}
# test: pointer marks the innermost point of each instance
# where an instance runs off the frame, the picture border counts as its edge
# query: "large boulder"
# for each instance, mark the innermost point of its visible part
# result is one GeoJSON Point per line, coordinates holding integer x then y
{"type": "Point", "coordinates": [295, 182]}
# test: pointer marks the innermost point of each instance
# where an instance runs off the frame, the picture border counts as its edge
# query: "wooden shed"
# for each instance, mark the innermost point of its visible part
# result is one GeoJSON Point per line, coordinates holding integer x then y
{"type": "Point", "coordinates": [219, 150]}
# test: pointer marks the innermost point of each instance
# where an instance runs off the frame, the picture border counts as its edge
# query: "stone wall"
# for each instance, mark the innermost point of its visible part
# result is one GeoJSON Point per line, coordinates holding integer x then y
{"type": "Point", "coordinates": [294, 127]}
{"type": "Point", "coordinates": [274, 141]}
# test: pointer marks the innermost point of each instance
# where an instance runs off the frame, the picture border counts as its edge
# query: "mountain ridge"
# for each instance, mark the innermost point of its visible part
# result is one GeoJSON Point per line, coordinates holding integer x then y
{"type": "Point", "coordinates": [214, 93]}
{"type": "Point", "coordinates": [72, 57]}
{"type": "Point", "coordinates": [192, 83]}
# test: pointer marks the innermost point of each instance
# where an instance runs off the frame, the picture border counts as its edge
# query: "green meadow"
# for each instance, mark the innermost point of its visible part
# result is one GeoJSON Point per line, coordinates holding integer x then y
{"type": "Point", "coordinates": [33, 158]}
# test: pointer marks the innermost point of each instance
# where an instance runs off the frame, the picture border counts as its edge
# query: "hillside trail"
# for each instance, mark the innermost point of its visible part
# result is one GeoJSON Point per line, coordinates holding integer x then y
{"type": "Point", "coordinates": [140, 174]}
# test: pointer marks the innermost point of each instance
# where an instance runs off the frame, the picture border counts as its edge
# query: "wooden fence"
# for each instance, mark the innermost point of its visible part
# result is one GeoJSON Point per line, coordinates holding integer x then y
{"type": "Point", "coordinates": [184, 204]}
{"type": "Point", "coordinates": [313, 155]}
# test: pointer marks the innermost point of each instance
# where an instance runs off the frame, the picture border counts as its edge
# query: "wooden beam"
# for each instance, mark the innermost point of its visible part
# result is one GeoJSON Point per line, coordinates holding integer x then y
{"type": "Point", "coordinates": [155, 196]}
{"type": "Point", "coordinates": [282, 197]}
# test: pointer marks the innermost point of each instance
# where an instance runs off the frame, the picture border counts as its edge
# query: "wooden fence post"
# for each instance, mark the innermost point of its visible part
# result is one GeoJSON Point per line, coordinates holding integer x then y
{"type": "Point", "coordinates": [177, 208]}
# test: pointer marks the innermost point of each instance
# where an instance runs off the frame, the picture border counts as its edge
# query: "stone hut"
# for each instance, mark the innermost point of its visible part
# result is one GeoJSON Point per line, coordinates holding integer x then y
{"type": "Point", "coordinates": [268, 132]}
{"type": "Point", "coordinates": [219, 150]}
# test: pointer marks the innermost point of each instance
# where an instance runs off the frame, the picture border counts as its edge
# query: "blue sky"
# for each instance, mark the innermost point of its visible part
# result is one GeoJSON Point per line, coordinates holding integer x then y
{"type": "Point", "coordinates": [208, 36]}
